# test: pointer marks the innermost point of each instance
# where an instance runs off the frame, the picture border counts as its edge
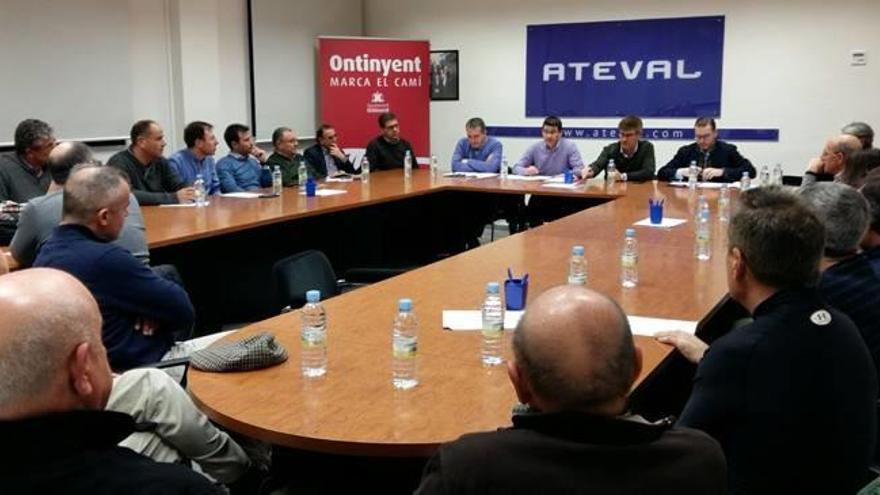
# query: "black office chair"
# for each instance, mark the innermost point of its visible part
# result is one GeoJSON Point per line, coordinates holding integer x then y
{"type": "Point", "coordinates": [302, 272]}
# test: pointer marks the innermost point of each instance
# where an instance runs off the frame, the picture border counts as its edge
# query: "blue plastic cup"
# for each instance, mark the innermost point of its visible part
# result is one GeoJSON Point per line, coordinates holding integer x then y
{"type": "Point", "coordinates": [311, 187]}
{"type": "Point", "coordinates": [569, 177]}
{"type": "Point", "coordinates": [515, 293]}
{"type": "Point", "coordinates": [656, 212]}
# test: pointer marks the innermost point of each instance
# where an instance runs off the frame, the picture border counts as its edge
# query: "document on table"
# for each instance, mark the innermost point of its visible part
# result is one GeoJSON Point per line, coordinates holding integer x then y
{"type": "Point", "coordinates": [325, 192]}
{"type": "Point", "coordinates": [463, 320]}
{"type": "Point", "coordinates": [456, 319]}
{"type": "Point", "coordinates": [704, 185]}
{"type": "Point", "coordinates": [470, 175]}
{"type": "Point", "coordinates": [576, 185]}
{"type": "Point", "coordinates": [666, 223]}
{"type": "Point", "coordinates": [243, 195]}
{"type": "Point", "coordinates": [347, 178]}
{"type": "Point", "coordinates": [182, 205]}
{"type": "Point", "coordinates": [535, 178]}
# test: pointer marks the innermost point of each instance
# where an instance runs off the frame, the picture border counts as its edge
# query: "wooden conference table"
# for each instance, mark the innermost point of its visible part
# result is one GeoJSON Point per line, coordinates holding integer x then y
{"type": "Point", "coordinates": [354, 409]}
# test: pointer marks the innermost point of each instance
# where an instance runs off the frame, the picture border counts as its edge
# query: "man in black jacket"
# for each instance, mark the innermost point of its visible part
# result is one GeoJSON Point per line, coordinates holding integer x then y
{"type": "Point", "coordinates": [718, 161]}
{"type": "Point", "coordinates": [388, 150]}
{"type": "Point", "coordinates": [54, 385]}
{"type": "Point", "coordinates": [574, 364]}
{"type": "Point", "coordinates": [792, 395]}
{"type": "Point", "coordinates": [325, 157]}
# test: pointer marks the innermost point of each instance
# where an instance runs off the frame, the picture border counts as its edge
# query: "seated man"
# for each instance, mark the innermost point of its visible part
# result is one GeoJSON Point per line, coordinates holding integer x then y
{"type": "Point", "coordinates": [574, 374]}
{"type": "Point", "coordinates": [871, 191]}
{"type": "Point", "coordinates": [832, 164]}
{"type": "Point", "coordinates": [23, 172]}
{"type": "Point", "coordinates": [54, 384]}
{"type": "Point", "coordinates": [633, 157]}
{"type": "Point", "coordinates": [153, 180]}
{"type": "Point", "coordinates": [477, 152]}
{"type": "Point", "coordinates": [718, 161]}
{"type": "Point", "coordinates": [862, 131]}
{"type": "Point", "coordinates": [41, 215]}
{"type": "Point", "coordinates": [240, 169]}
{"type": "Point", "coordinates": [388, 150]}
{"type": "Point", "coordinates": [791, 396]}
{"type": "Point", "coordinates": [143, 313]}
{"type": "Point", "coordinates": [325, 158]}
{"type": "Point", "coordinates": [198, 156]}
{"type": "Point", "coordinates": [552, 156]}
{"type": "Point", "coordinates": [285, 156]}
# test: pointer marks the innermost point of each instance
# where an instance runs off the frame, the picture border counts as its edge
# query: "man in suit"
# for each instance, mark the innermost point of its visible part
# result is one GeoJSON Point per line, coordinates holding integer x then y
{"type": "Point", "coordinates": [574, 364]}
{"type": "Point", "coordinates": [790, 396]}
{"type": "Point", "coordinates": [718, 161]}
{"type": "Point", "coordinates": [325, 158]}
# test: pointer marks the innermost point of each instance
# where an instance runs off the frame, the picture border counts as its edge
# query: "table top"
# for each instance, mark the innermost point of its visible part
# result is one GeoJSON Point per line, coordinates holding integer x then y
{"type": "Point", "coordinates": [354, 408]}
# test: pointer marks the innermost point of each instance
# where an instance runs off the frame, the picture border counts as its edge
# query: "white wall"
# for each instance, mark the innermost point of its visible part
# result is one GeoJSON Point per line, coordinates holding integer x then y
{"type": "Point", "coordinates": [786, 65]}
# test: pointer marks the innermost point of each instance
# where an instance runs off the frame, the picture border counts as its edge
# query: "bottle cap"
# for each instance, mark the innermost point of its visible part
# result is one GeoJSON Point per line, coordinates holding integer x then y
{"type": "Point", "coordinates": [577, 250]}
{"type": "Point", "coordinates": [404, 305]}
{"type": "Point", "coordinates": [492, 287]}
{"type": "Point", "coordinates": [313, 296]}
{"type": "Point", "coordinates": [630, 232]}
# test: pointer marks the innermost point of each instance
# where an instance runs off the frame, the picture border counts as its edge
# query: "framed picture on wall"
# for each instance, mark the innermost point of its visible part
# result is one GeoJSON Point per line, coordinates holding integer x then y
{"type": "Point", "coordinates": [444, 75]}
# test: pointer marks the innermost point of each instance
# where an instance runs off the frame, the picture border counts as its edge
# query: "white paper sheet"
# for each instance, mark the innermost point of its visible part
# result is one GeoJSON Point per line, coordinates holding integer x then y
{"type": "Point", "coordinates": [456, 319]}
{"type": "Point", "coordinates": [470, 320]}
{"type": "Point", "coordinates": [576, 185]}
{"type": "Point", "coordinates": [665, 223]}
{"type": "Point", "coordinates": [242, 195]}
{"type": "Point", "coordinates": [470, 175]}
{"type": "Point", "coordinates": [325, 192]}
{"type": "Point", "coordinates": [534, 178]}
{"type": "Point", "coordinates": [704, 185]}
{"type": "Point", "coordinates": [182, 205]}
{"type": "Point", "coordinates": [339, 179]}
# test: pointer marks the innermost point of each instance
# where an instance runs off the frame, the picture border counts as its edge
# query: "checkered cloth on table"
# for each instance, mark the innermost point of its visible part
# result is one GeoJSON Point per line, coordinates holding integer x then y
{"type": "Point", "coordinates": [255, 352]}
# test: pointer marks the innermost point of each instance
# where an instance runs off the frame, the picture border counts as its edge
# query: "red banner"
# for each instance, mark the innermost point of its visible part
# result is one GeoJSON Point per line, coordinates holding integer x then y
{"type": "Point", "coordinates": [364, 77]}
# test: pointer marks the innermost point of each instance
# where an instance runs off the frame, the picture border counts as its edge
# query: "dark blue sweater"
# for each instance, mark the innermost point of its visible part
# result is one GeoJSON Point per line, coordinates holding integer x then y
{"type": "Point", "coordinates": [126, 291]}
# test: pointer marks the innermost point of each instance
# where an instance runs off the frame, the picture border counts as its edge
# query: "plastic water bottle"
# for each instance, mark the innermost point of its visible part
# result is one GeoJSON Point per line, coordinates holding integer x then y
{"type": "Point", "coordinates": [407, 165]}
{"type": "Point", "coordinates": [435, 167]}
{"type": "Point", "coordinates": [609, 171]}
{"type": "Point", "coordinates": [577, 267]}
{"type": "Point", "coordinates": [693, 172]}
{"type": "Point", "coordinates": [629, 260]}
{"type": "Point", "coordinates": [505, 171]}
{"type": "Point", "coordinates": [764, 177]}
{"type": "Point", "coordinates": [276, 181]}
{"type": "Point", "coordinates": [365, 169]}
{"type": "Point", "coordinates": [493, 326]}
{"type": "Point", "coordinates": [405, 346]}
{"type": "Point", "coordinates": [313, 336]}
{"type": "Point", "coordinates": [302, 174]}
{"type": "Point", "coordinates": [745, 183]}
{"type": "Point", "coordinates": [200, 193]}
{"type": "Point", "coordinates": [724, 204]}
{"type": "Point", "coordinates": [702, 203]}
{"type": "Point", "coordinates": [777, 174]}
{"type": "Point", "coordinates": [704, 234]}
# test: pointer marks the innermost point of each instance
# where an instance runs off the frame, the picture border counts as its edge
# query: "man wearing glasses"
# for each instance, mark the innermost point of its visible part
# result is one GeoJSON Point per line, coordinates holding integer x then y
{"type": "Point", "coordinates": [23, 172]}
{"type": "Point", "coordinates": [388, 150]}
{"type": "Point", "coordinates": [633, 157]}
{"type": "Point", "coordinates": [718, 161]}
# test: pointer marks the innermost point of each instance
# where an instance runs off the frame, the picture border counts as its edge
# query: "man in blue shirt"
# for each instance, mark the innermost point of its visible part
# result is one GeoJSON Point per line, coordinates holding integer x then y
{"type": "Point", "coordinates": [477, 152]}
{"type": "Point", "coordinates": [143, 314]}
{"type": "Point", "coordinates": [198, 156]}
{"type": "Point", "coordinates": [240, 169]}
{"type": "Point", "coordinates": [553, 155]}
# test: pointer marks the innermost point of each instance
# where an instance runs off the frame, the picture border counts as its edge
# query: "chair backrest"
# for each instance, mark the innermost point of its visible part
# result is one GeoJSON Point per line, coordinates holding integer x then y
{"type": "Point", "coordinates": [302, 272]}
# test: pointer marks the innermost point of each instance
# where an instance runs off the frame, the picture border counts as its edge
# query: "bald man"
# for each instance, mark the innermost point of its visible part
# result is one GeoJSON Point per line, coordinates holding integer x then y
{"type": "Point", "coordinates": [54, 383]}
{"type": "Point", "coordinates": [143, 313]}
{"type": "Point", "coordinates": [831, 165]}
{"type": "Point", "coordinates": [574, 364]}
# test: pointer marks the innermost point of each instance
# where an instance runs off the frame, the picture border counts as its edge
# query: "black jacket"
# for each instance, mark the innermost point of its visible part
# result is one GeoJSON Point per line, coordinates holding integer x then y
{"type": "Point", "coordinates": [578, 453]}
{"type": "Point", "coordinates": [386, 156]}
{"type": "Point", "coordinates": [790, 397]}
{"type": "Point", "coordinates": [722, 155]}
{"type": "Point", "coordinates": [75, 452]}
{"type": "Point", "coordinates": [154, 184]}
{"type": "Point", "coordinates": [315, 161]}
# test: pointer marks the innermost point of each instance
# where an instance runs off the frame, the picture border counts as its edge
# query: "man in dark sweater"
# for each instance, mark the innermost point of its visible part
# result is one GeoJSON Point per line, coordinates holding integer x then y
{"type": "Point", "coordinates": [284, 156]}
{"type": "Point", "coordinates": [718, 161]}
{"type": "Point", "coordinates": [574, 364]}
{"type": "Point", "coordinates": [792, 395]}
{"type": "Point", "coordinates": [388, 150]}
{"type": "Point", "coordinates": [633, 157]}
{"type": "Point", "coordinates": [54, 385]}
{"type": "Point", "coordinates": [143, 313]}
{"type": "Point", "coordinates": [23, 172]}
{"type": "Point", "coordinates": [153, 180]}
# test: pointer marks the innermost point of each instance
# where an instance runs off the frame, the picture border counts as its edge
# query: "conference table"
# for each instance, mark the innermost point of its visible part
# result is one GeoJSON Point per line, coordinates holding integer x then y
{"type": "Point", "coordinates": [354, 409]}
